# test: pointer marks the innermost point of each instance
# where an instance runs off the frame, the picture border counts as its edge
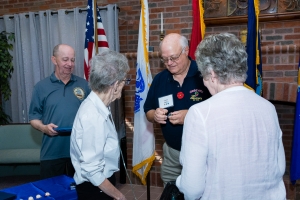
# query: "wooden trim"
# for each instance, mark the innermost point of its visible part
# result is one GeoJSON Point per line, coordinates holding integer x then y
{"type": "Point", "coordinates": [244, 19]}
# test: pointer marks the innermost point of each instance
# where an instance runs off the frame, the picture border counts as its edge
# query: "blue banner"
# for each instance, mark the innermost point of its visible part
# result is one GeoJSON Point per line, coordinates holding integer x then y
{"type": "Point", "coordinates": [295, 161]}
{"type": "Point", "coordinates": [254, 79]}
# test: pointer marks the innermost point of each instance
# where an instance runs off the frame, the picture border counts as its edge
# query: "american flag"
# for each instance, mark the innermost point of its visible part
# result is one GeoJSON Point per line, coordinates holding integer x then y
{"type": "Point", "coordinates": [89, 46]}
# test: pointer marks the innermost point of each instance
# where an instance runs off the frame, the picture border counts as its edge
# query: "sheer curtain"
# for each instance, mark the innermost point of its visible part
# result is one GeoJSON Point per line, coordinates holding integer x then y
{"type": "Point", "coordinates": [117, 108]}
{"type": "Point", "coordinates": [36, 34]}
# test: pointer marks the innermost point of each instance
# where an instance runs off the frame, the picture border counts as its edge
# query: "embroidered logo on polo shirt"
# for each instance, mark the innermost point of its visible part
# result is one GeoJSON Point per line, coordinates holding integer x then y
{"type": "Point", "coordinates": [195, 95]}
{"type": "Point", "coordinates": [79, 93]}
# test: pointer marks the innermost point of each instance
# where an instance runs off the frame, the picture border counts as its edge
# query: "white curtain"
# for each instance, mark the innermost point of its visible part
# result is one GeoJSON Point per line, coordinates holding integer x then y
{"type": "Point", "coordinates": [36, 34]}
{"type": "Point", "coordinates": [117, 108]}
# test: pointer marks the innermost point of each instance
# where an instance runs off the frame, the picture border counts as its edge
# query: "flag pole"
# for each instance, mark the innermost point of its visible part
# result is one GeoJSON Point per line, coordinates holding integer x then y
{"type": "Point", "coordinates": [148, 186]}
{"type": "Point", "coordinates": [95, 26]}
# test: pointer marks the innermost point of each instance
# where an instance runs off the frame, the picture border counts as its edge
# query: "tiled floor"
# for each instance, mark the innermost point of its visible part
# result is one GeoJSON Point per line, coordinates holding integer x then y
{"type": "Point", "coordinates": [140, 192]}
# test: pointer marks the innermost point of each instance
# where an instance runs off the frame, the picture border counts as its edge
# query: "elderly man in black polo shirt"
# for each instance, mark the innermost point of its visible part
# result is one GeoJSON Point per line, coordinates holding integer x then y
{"type": "Point", "coordinates": [172, 92]}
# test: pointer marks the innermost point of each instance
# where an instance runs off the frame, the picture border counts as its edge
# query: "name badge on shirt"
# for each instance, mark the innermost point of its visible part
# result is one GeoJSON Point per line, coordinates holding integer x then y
{"type": "Point", "coordinates": [166, 101]}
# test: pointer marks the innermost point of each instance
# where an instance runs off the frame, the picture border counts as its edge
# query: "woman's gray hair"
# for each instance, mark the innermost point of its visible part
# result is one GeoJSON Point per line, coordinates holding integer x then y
{"type": "Point", "coordinates": [107, 68]}
{"type": "Point", "coordinates": [225, 55]}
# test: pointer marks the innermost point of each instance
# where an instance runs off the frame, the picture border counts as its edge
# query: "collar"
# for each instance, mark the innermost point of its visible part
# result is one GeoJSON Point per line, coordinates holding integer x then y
{"type": "Point", "coordinates": [235, 88]}
{"type": "Point", "coordinates": [193, 70]}
{"type": "Point", "coordinates": [53, 78]}
{"type": "Point", "coordinates": [101, 107]}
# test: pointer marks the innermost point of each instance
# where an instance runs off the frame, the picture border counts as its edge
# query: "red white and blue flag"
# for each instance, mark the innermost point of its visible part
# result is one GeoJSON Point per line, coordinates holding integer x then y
{"type": "Point", "coordinates": [92, 43]}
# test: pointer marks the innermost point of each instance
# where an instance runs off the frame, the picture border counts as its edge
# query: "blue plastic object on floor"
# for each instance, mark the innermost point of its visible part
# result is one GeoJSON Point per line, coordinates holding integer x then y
{"type": "Point", "coordinates": [57, 187]}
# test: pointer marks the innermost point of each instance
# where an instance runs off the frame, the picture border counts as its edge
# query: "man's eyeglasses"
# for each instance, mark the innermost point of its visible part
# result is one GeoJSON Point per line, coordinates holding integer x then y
{"type": "Point", "coordinates": [127, 81]}
{"type": "Point", "coordinates": [172, 58]}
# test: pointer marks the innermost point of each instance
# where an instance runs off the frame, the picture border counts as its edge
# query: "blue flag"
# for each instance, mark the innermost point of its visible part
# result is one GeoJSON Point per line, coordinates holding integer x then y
{"type": "Point", "coordinates": [254, 79]}
{"type": "Point", "coordinates": [295, 162]}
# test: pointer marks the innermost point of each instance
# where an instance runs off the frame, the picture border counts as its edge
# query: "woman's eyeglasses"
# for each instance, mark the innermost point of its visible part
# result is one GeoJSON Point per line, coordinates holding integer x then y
{"type": "Point", "coordinates": [127, 81]}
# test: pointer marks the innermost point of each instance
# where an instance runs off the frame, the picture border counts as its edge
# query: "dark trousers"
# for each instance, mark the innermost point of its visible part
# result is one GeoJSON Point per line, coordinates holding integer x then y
{"type": "Point", "coordinates": [87, 191]}
{"type": "Point", "coordinates": [57, 167]}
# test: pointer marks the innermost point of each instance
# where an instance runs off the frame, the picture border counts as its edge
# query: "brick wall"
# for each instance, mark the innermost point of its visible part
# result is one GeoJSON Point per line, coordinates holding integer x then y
{"type": "Point", "coordinates": [280, 49]}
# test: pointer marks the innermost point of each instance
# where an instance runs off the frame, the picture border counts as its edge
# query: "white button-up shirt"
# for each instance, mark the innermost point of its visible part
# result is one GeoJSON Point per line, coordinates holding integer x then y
{"type": "Point", "coordinates": [94, 142]}
{"type": "Point", "coordinates": [232, 149]}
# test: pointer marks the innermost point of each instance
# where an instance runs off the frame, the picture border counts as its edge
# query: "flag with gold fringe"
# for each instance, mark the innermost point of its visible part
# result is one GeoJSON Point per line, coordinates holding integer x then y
{"type": "Point", "coordinates": [295, 161]}
{"type": "Point", "coordinates": [143, 138]}
{"type": "Point", "coordinates": [198, 29]}
{"type": "Point", "coordinates": [254, 79]}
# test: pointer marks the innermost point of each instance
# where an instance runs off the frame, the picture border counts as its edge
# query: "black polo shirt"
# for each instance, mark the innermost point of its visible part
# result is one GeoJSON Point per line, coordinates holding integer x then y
{"type": "Point", "coordinates": [193, 91]}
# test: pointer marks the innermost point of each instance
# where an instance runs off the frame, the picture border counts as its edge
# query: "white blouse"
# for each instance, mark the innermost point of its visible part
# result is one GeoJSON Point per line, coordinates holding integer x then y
{"type": "Point", "coordinates": [232, 149]}
{"type": "Point", "coordinates": [94, 142]}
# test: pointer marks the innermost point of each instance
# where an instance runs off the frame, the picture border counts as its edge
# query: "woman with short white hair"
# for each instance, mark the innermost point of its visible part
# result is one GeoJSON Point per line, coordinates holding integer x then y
{"type": "Point", "coordinates": [94, 140]}
{"type": "Point", "coordinates": [232, 142]}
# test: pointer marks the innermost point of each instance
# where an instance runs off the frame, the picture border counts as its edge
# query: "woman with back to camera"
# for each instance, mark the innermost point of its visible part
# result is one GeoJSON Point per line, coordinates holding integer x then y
{"type": "Point", "coordinates": [94, 140]}
{"type": "Point", "coordinates": [232, 142]}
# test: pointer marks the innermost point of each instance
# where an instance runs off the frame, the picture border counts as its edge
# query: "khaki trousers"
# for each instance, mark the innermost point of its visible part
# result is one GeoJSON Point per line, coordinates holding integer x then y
{"type": "Point", "coordinates": [171, 167]}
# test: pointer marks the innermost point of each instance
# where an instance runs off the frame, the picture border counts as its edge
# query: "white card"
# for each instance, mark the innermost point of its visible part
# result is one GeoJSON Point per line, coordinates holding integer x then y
{"type": "Point", "coordinates": [166, 101]}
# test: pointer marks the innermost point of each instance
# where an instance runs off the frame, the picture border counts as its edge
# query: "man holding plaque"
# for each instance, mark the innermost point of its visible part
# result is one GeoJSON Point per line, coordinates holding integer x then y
{"type": "Point", "coordinates": [54, 104]}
